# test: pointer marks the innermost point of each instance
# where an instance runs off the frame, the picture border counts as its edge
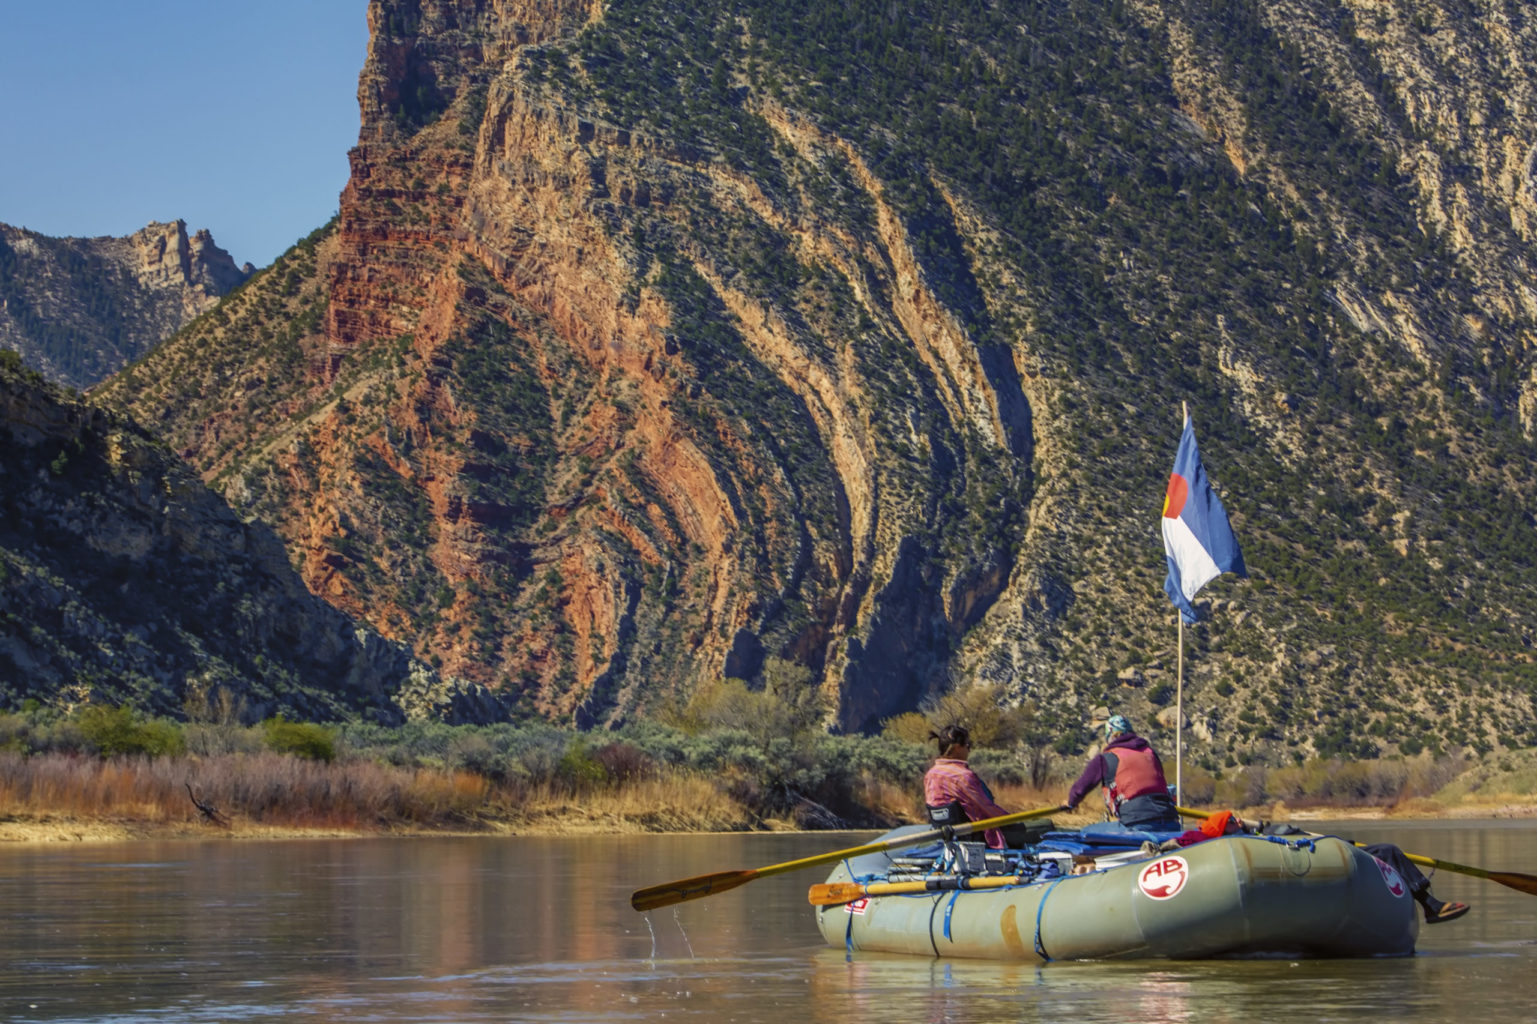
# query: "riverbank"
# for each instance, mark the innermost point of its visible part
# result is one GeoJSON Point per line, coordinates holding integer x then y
{"type": "Point", "coordinates": [603, 819]}
{"type": "Point", "coordinates": [51, 798]}
{"type": "Point", "coordinates": [546, 782]}
{"type": "Point", "coordinates": [56, 829]}
{"type": "Point", "coordinates": [1416, 810]}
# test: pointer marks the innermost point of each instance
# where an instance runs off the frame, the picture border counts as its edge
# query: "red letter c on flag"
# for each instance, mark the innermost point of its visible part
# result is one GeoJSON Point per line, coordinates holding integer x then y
{"type": "Point", "coordinates": [1174, 497]}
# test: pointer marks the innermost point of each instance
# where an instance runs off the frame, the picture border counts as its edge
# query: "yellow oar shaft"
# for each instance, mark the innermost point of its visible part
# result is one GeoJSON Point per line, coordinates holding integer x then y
{"type": "Point", "coordinates": [897, 843]}
{"type": "Point", "coordinates": [668, 893]}
{"type": "Point", "coordinates": [832, 893]}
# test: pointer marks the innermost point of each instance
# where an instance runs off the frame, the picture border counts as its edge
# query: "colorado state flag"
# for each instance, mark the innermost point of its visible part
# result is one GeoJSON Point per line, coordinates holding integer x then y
{"type": "Point", "coordinates": [1197, 539]}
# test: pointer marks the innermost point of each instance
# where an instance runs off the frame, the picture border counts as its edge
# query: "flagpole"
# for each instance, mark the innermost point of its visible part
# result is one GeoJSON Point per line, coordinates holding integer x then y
{"type": "Point", "coordinates": [1179, 679]}
{"type": "Point", "coordinates": [1179, 713]}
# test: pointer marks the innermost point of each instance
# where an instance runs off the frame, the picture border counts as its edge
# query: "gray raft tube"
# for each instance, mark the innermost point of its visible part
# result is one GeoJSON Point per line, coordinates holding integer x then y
{"type": "Point", "coordinates": [1236, 896]}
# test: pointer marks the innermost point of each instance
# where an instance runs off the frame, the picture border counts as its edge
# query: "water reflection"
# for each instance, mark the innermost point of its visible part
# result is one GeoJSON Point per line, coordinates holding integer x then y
{"type": "Point", "coordinates": [470, 930]}
{"type": "Point", "coordinates": [1156, 993]}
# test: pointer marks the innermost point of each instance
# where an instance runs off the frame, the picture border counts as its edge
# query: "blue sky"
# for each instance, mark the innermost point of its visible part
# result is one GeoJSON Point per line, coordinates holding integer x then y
{"type": "Point", "coordinates": [235, 117]}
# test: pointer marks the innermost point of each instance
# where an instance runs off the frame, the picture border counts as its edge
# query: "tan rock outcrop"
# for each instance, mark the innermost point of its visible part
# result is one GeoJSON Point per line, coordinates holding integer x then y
{"type": "Point", "coordinates": [79, 309]}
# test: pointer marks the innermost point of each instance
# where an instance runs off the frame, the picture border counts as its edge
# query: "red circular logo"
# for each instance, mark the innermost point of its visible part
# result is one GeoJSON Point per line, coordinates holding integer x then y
{"type": "Point", "coordinates": [1164, 878]}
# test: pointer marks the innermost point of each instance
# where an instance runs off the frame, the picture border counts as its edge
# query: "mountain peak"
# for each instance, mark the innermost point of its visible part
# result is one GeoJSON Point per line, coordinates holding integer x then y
{"type": "Point", "coordinates": [79, 309]}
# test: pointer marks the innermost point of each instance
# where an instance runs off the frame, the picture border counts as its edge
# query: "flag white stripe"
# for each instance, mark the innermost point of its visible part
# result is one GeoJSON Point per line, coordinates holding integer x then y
{"type": "Point", "coordinates": [1195, 564]}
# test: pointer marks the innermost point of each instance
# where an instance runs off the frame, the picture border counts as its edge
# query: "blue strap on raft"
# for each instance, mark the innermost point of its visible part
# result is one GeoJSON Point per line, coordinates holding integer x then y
{"type": "Point", "coordinates": [949, 909]}
{"type": "Point", "coordinates": [1040, 909]}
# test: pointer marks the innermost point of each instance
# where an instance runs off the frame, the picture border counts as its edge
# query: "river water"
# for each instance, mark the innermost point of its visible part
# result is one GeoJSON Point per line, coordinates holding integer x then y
{"type": "Point", "coordinates": [536, 929]}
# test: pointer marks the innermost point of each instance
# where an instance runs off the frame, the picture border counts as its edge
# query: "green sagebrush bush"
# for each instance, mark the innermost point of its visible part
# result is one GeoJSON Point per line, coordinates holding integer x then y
{"type": "Point", "coordinates": [301, 739]}
{"type": "Point", "coordinates": [121, 730]}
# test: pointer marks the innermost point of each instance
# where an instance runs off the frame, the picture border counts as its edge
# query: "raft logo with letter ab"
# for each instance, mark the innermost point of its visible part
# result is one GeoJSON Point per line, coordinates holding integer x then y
{"type": "Point", "coordinates": [1164, 877]}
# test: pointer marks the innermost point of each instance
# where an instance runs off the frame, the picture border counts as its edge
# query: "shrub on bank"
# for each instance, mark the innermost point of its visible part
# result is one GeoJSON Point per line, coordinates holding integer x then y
{"type": "Point", "coordinates": [267, 788]}
{"type": "Point", "coordinates": [301, 739]}
{"type": "Point", "coordinates": [114, 731]}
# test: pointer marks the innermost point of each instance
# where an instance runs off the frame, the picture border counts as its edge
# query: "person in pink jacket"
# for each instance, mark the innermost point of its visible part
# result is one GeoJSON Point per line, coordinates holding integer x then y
{"type": "Point", "coordinates": [953, 791]}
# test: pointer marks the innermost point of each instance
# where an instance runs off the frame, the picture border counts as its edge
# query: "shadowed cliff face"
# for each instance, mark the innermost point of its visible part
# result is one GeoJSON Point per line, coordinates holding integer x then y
{"type": "Point", "coordinates": [126, 581]}
{"type": "Point", "coordinates": [654, 341]}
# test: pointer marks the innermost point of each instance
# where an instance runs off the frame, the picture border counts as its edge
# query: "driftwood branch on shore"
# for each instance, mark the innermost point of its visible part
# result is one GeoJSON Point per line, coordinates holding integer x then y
{"type": "Point", "coordinates": [209, 812]}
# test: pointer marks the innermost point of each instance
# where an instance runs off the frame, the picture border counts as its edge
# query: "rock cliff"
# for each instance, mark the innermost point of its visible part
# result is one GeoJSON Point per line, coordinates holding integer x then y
{"type": "Point", "coordinates": [655, 340]}
{"type": "Point", "coordinates": [126, 581]}
{"type": "Point", "coordinates": [80, 309]}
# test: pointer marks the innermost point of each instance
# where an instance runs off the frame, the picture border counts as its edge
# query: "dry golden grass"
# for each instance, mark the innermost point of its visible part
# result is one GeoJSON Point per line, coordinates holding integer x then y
{"type": "Point", "coordinates": [264, 793]}
{"type": "Point", "coordinates": [63, 796]}
{"type": "Point", "coordinates": [889, 800]}
{"type": "Point", "coordinates": [678, 802]}
{"type": "Point", "coordinates": [1028, 798]}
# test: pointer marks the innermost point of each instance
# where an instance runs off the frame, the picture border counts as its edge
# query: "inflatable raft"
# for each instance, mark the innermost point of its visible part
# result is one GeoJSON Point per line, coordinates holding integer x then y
{"type": "Point", "coordinates": [1111, 894]}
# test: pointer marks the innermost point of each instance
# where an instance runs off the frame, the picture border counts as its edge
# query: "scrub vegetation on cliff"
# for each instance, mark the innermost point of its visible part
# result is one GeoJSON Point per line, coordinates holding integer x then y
{"type": "Point", "coordinates": [125, 581]}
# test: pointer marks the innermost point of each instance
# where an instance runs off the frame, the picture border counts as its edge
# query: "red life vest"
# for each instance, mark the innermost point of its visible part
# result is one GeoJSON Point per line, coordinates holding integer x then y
{"type": "Point", "coordinates": [1137, 773]}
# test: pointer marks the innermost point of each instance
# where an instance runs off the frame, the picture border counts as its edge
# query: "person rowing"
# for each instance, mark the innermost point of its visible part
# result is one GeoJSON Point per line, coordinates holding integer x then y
{"type": "Point", "coordinates": [1131, 774]}
{"type": "Point", "coordinates": [953, 792]}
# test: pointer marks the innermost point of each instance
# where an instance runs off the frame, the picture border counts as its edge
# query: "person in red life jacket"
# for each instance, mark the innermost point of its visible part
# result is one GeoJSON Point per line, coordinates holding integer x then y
{"type": "Point", "coordinates": [1132, 775]}
{"type": "Point", "coordinates": [954, 792]}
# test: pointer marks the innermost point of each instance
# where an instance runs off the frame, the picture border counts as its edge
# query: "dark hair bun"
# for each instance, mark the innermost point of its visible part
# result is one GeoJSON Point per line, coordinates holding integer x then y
{"type": "Point", "coordinates": [951, 736]}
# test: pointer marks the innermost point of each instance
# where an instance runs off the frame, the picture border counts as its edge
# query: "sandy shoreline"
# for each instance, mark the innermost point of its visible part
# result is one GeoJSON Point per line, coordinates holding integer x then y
{"type": "Point", "coordinates": [15, 831]}
{"type": "Point", "coordinates": [22, 829]}
{"type": "Point", "coordinates": [1418, 811]}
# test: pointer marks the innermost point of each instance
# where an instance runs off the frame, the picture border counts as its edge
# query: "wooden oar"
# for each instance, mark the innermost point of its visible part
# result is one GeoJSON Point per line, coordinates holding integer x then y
{"type": "Point", "coordinates": [829, 894]}
{"type": "Point", "coordinates": [668, 893]}
{"type": "Point", "coordinates": [1510, 879]}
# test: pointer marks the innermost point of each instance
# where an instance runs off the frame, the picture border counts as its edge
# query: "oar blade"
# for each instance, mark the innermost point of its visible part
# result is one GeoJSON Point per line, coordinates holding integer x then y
{"type": "Point", "coordinates": [830, 894]}
{"type": "Point", "coordinates": [668, 893]}
{"type": "Point", "coordinates": [1511, 879]}
{"type": "Point", "coordinates": [1515, 880]}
